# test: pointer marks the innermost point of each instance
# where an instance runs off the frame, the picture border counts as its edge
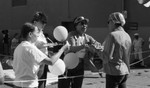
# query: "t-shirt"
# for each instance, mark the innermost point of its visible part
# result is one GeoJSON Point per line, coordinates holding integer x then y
{"type": "Point", "coordinates": [40, 41]}
{"type": "Point", "coordinates": [27, 58]}
{"type": "Point", "coordinates": [77, 40]}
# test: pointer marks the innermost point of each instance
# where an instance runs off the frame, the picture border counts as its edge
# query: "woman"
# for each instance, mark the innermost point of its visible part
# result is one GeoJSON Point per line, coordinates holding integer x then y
{"type": "Point", "coordinates": [116, 53]}
{"type": "Point", "coordinates": [28, 58]}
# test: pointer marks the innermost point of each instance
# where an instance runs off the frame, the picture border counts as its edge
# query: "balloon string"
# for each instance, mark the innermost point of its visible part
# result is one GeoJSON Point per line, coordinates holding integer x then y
{"type": "Point", "coordinates": [66, 76]}
{"type": "Point", "coordinates": [53, 78]}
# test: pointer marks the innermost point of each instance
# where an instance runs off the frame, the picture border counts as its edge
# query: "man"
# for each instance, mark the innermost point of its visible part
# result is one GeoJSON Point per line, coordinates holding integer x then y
{"type": "Point", "coordinates": [138, 42]}
{"type": "Point", "coordinates": [28, 58]}
{"type": "Point", "coordinates": [116, 53]}
{"type": "Point", "coordinates": [79, 41]}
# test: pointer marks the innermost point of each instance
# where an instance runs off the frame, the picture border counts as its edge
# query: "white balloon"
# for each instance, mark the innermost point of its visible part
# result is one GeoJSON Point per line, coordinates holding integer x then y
{"type": "Point", "coordinates": [58, 68]}
{"type": "Point", "coordinates": [71, 60]}
{"type": "Point", "coordinates": [147, 4]}
{"type": "Point", "coordinates": [81, 53]}
{"type": "Point", "coordinates": [60, 33]}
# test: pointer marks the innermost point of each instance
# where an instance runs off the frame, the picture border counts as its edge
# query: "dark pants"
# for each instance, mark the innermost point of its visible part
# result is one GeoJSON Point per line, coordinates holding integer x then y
{"type": "Point", "coordinates": [75, 77]}
{"type": "Point", "coordinates": [42, 84]}
{"type": "Point", "coordinates": [116, 81]}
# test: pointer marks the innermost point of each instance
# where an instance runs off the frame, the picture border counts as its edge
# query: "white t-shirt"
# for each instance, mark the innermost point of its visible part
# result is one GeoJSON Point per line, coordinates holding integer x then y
{"type": "Point", "coordinates": [40, 41]}
{"type": "Point", "coordinates": [27, 58]}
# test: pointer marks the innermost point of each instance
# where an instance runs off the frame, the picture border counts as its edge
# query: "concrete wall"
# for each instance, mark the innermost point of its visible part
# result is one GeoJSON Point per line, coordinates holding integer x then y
{"type": "Point", "coordinates": [97, 11]}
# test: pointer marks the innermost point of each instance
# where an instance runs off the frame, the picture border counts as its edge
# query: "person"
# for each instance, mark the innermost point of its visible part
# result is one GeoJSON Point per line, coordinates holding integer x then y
{"type": "Point", "coordinates": [27, 58]}
{"type": "Point", "coordinates": [149, 42]}
{"type": "Point", "coordinates": [79, 41]}
{"type": "Point", "coordinates": [6, 42]}
{"type": "Point", "coordinates": [40, 20]}
{"type": "Point", "coordinates": [138, 42]}
{"type": "Point", "coordinates": [116, 53]}
{"type": "Point", "coordinates": [14, 42]}
{"type": "Point", "coordinates": [1, 74]}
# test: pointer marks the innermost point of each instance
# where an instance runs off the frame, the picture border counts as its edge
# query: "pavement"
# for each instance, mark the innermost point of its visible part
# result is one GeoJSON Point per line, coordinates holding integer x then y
{"type": "Point", "coordinates": [138, 78]}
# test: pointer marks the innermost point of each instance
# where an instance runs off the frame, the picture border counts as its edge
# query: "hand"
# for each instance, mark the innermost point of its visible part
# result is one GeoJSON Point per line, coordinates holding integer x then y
{"type": "Point", "coordinates": [51, 44]}
{"type": "Point", "coordinates": [66, 46]}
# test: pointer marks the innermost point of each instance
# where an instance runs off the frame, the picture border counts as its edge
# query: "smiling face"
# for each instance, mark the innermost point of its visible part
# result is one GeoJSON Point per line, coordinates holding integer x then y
{"type": "Point", "coordinates": [40, 25]}
{"type": "Point", "coordinates": [81, 27]}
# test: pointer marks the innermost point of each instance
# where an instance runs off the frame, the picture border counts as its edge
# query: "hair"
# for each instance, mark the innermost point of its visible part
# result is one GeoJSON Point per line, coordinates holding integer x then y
{"type": "Point", "coordinates": [39, 17]}
{"type": "Point", "coordinates": [26, 29]}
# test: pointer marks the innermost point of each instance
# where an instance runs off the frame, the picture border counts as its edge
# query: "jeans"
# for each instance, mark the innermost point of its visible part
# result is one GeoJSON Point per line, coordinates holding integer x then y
{"type": "Point", "coordinates": [117, 81]}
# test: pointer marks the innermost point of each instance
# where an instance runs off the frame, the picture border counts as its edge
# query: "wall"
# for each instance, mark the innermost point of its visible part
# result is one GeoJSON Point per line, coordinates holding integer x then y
{"type": "Point", "coordinates": [97, 11]}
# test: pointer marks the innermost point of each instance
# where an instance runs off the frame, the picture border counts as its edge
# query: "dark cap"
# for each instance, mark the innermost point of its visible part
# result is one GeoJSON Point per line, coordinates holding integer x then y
{"type": "Point", "coordinates": [80, 19]}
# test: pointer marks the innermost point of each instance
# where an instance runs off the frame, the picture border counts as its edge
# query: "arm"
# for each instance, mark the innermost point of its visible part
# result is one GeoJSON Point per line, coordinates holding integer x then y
{"type": "Point", "coordinates": [92, 42]}
{"type": "Point", "coordinates": [55, 57]}
{"type": "Point", "coordinates": [108, 49]}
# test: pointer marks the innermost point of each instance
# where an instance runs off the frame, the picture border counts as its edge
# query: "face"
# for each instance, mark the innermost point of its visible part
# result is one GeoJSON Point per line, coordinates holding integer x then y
{"type": "Point", "coordinates": [81, 27]}
{"type": "Point", "coordinates": [39, 25]}
{"type": "Point", "coordinates": [34, 35]}
{"type": "Point", "coordinates": [111, 25]}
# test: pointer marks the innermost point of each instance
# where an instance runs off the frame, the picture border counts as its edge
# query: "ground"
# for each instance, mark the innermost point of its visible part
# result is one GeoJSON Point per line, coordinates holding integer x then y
{"type": "Point", "coordinates": [139, 78]}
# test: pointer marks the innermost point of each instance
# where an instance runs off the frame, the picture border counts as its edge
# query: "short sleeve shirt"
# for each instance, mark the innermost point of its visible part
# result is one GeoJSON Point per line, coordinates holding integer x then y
{"type": "Point", "coordinates": [27, 58]}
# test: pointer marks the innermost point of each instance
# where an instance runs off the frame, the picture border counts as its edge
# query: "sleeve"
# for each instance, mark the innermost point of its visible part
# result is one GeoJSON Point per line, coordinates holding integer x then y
{"type": "Point", "coordinates": [71, 39]}
{"type": "Point", "coordinates": [93, 42]}
{"type": "Point", "coordinates": [38, 55]}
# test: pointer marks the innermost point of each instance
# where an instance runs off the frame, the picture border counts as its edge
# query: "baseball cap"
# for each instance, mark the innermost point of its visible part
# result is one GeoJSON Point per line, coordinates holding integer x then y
{"type": "Point", "coordinates": [117, 18]}
{"type": "Point", "coordinates": [80, 19]}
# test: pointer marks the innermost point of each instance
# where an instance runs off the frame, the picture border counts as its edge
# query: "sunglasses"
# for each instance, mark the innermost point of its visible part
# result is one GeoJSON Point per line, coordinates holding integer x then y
{"type": "Point", "coordinates": [83, 23]}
